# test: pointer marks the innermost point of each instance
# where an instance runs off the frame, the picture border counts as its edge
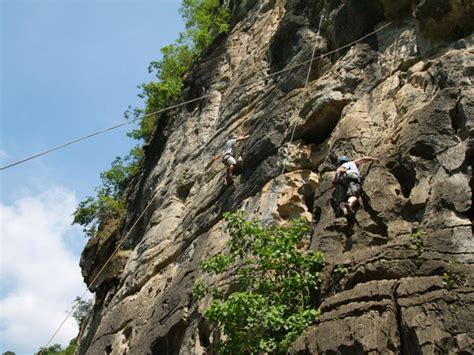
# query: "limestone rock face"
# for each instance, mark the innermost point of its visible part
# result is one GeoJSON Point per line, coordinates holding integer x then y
{"type": "Point", "coordinates": [399, 277]}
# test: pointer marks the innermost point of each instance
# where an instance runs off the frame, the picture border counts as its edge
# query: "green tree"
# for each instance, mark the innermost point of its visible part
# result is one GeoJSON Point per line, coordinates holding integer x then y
{"type": "Point", "coordinates": [56, 349]}
{"type": "Point", "coordinates": [161, 93]}
{"type": "Point", "coordinates": [53, 349]}
{"type": "Point", "coordinates": [71, 348]}
{"type": "Point", "coordinates": [82, 309]}
{"type": "Point", "coordinates": [109, 201]}
{"type": "Point", "coordinates": [9, 353]}
{"type": "Point", "coordinates": [276, 283]}
{"type": "Point", "coordinates": [204, 19]}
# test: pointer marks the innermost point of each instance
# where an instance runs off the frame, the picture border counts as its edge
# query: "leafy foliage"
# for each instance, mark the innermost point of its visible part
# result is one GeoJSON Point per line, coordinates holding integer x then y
{"type": "Point", "coordinates": [109, 202]}
{"type": "Point", "coordinates": [161, 93]}
{"type": "Point", "coordinates": [205, 19]}
{"type": "Point", "coordinates": [452, 280]}
{"type": "Point", "coordinates": [82, 310]}
{"type": "Point", "coordinates": [341, 270]}
{"type": "Point", "coordinates": [277, 283]}
{"type": "Point", "coordinates": [56, 349]}
{"type": "Point", "coordinates": [418, 240]}
{"type": "Point", "coordinates": [455, 276]}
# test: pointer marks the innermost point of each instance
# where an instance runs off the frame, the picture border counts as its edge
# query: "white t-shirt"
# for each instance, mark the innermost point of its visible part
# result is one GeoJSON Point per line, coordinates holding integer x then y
{"type": "Point", "coordinates": [351, 166]}
{"type": "Point", "coordinates": [229, 146]}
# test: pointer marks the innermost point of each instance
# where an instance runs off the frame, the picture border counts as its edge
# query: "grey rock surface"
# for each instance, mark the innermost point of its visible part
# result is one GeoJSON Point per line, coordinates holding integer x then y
{"type": "Point", "coordinates": [404, 95]}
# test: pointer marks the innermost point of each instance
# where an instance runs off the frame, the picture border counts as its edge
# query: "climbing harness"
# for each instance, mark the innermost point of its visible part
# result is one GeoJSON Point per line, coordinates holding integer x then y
{"type": "Point", "coordinates": [361, 177]}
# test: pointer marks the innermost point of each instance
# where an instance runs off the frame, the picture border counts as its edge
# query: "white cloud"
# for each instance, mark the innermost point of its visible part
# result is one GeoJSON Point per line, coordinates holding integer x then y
{"type": "Point", "coordinates": [41, 274]}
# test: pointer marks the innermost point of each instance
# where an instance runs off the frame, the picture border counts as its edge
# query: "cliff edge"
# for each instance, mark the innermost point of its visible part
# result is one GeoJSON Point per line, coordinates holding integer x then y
{"type": "Point", "coordinates": [400, 277]}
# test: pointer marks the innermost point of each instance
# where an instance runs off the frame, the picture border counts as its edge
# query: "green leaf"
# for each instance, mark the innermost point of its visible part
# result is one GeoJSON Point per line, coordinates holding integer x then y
{"type": "Point", "coordinates": [274, 280]}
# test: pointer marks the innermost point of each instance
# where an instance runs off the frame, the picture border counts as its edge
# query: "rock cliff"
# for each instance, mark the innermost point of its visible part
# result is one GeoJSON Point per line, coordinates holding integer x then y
{"type": "Point", "coordinates": [400, 277]}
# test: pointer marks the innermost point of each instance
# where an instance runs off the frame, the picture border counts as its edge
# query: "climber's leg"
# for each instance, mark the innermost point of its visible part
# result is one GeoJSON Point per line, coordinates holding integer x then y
{"type": "Point", "coordinates": [343, 207]}
{"type": "Point", "coordinates": [230, 162]}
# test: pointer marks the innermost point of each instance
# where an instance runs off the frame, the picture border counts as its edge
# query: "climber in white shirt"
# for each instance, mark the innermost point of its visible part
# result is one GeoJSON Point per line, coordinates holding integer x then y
{"type": "Point", "coordinates": [229, 158]}
{"type": "Point", "coordinates": [348, 183]}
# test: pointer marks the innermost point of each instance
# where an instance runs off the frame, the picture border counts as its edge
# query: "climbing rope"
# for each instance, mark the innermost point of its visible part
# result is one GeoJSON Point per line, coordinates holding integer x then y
{"type": "Point", "coordinates": [187, 102]}
{"type": "Point", "coordinates": [378, 141]}
{"type": "Point", "coordinates": [102, 131]}
{"type": "Point", "coordinates": [285, 160]}
{"type": "Point", "coordinates": [392, 68]}
{"type": "Point", "coordinates": [297, 65]}
{"type": "Point", "coordinates": [94, 279]}
{"type": "Point", "coordinates": [305, 86]}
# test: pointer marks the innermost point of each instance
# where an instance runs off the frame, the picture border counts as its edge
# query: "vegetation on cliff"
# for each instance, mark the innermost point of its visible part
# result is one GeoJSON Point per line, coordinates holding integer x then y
{"type": "Point", "coordinates": [205, 20]}
{"type": "Point", "coordinates": [396, 262]}
{"type": "Point", "coordinates": [56, 349]}
{"type": "Point", "coordinates": [277, 285]}
{"type": "Point", "coordinates": [82, 309]}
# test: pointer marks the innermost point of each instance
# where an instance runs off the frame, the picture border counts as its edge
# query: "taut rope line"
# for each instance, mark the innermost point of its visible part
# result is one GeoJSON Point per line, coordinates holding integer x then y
{"type": "Point", "coordinates": [101, 270]}
{"type": "Point", "coordinates": [187, 102]}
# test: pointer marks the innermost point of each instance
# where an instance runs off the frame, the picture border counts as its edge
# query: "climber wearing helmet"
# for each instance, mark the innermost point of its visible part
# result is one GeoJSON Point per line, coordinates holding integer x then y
{"type": "Point", "coordinates": [229, 159]}
{"type": "Point", "coordinates": [347, 182]}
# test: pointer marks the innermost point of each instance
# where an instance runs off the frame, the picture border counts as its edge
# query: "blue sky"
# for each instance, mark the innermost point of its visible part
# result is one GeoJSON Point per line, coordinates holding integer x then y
{"type": "Point", "coordinates": [68, 67]}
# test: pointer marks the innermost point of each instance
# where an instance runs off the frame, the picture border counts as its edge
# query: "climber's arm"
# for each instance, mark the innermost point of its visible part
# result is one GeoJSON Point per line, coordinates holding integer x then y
{"type": "Point", "coordinates": [334, 180]}
{"type": "Point", "coordinates": [339, 171]}
{"type": "Point", "coordinates": [364, 160]}
{"type": "Point", "coordinates": [242, 138]}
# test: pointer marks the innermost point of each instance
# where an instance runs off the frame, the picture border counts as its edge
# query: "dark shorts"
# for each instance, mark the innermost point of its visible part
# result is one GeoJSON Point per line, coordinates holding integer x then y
{"type": "Point", "coordinates": [346, 188]}
{"type": "Point", "coordinates": [354, 189]}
